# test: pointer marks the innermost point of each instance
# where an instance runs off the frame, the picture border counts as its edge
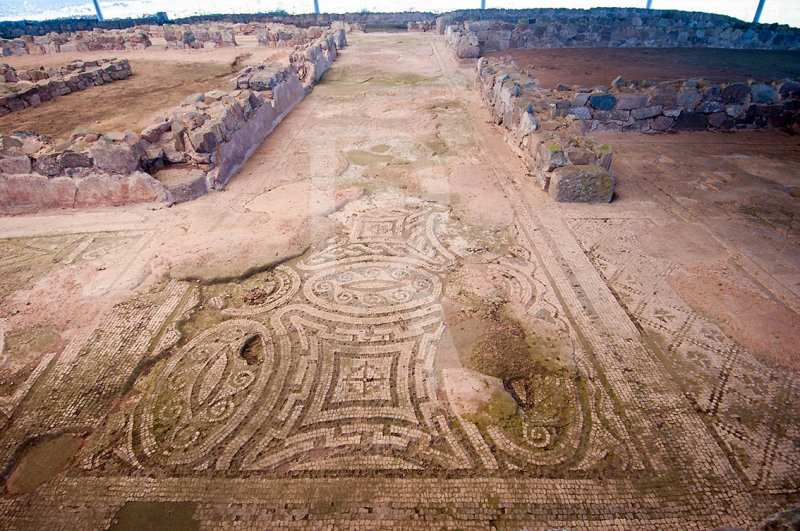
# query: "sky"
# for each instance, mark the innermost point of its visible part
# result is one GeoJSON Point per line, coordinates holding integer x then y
{"type": "Point", "coordinates": [781, 11]}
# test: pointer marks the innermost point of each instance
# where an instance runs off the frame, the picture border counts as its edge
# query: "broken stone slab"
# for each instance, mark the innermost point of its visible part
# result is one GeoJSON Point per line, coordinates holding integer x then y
{"type": "Point", "coordinates": [153, 132]}
{"type": "Point", "coordinates": [20, 194]}
{"type": "Point", "coordinates": [13, 162]}
{"type": "Point", "coordinates": [9, 142]}
{"type": "Point", "coordinates": [582, 113]}
{"type": "Point", "coordinates": [71, 159]}
{"type": "Point", "coordinates": [468, 392]}
{"type": "Point", "coordinates": [690, 121]}
{"type": "Point", "coordinates": [550, 156]}
{"type": "Point", "coordinates": [48, 164]}
{"type": "Point", "coordinates": [631, 101]}
{"type": "Point", "coordinates": [580, 99]}
{"type": "Point", "coordinates": [581, 184]}
{"type": "Point", "coordinates": [111, 190]}
{"type": "Point", "coordinates": [118, 158]}
{"type": "Point", "coordinates": [663, 95]}
{"type": "Point", "coordinates": [602, 102]}
{"type": "Point", "coordinates": [646, 112]}
{"type": "Point", "coordinates": [762, 93]}
{"type": "Point", "coordinates": [710, 107]}
{"type": "Point", "coordinates": [172, 155]}
{"type": "Point", "coordinates": [783, 521]}
{"type": "Point", "coordinates": [736, 93]}
{"type": "Point", "coordinates": [192, 188]}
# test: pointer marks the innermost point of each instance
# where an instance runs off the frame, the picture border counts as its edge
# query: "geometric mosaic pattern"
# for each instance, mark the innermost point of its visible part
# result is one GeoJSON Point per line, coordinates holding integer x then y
{"type": "Point", "coordinates": [752, 409]}
{"type": "Point", "coordinates": [332, 370]}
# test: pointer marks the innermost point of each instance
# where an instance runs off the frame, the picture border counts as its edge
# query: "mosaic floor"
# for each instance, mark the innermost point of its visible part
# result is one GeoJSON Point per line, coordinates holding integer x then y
{"type": "Point", "coordinates": [328, 391]}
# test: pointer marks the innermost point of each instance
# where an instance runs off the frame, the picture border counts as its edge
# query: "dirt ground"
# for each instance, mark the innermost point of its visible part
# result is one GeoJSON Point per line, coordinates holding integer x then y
{"type": "Point", "coordinates": [382, 321]}
{"type": "Point", "coordinates": [599, 66]}
{"type": "Point", "coordinates": [161, 80]}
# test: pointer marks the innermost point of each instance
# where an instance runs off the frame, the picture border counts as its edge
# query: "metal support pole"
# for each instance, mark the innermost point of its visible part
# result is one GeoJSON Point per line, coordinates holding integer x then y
{"type": "Point", "coordinates": [483, 4]}
{"type": "Point", "coordinates": [99, 13]}
{"type": "Point", "coordinates": [649, 4]}
{"type": "Point", "coordinates": [316, 7]}
{"type": "Point", "coordinates": [758, 11]}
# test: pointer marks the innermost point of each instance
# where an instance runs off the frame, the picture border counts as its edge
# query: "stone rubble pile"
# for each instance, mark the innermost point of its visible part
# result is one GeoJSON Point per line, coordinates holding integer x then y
{"type": "Point", "coordinates": [82, 41]}
{"type": "Point", "coordinates": [313, 60]}
{"type": "Point", "coordinates": [606, 27]}
{"type": "Point", "coordinates": [30, 87]}
{"type": "Point", "coordinates": [422, 25]}
{"type": "Point", "coordinates": [570, 166]}
{"type": "Point", "coordinates": [681, 105]}
{"type": "Point", "coordinates": [36, 173]}
{"type": "Point", "coordinates": [11, 29]}
{"type": "Point", "coordinates": [279, 35]}
{"type": "Point", "coordinates": [214, 132]}
{"type": "Point", "coordinates": [547, 127]}
{"type": "Point", "coordinates": [203, 36]}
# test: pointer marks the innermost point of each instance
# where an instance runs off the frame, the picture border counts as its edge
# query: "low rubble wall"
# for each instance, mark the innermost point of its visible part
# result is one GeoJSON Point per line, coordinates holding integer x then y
{"type": "Point", "coordinates": [205, 36]}
{"type": "Point", "coordinates": [12, 29]}
{"type": "Point", "coordinates": [547, 128]}
{"type": "Point", "coordinates": [82, 41]}
{"type": "Point", "coordinates": [606, 27]}
{"type": "Point", "coordinates": [683, 105]}
{"type": "Point", "coordinates": [214, 132]}
{"type": "Point", "coordinates": [286, 35]}
{"type": "Point", "coordinates": [30, 87]}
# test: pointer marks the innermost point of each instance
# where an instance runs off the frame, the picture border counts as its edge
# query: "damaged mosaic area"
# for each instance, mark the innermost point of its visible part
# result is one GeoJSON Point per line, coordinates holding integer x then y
{"type": "Point", "coordinates": [326, 365]}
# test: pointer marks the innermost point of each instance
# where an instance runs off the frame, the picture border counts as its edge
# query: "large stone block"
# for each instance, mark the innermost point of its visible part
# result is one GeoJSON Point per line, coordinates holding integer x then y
{"type": "Point", "coordinates": [663, 96]}
{"type": "Point", "coordinates": [12, 162]}
{"type": "Point", "coordinates": [602, 102]}
{"type": "Point", "coordinates": [71, 159]}
{"type": "Point", "coordinates": [581, 184]}
{"type": "Point", "coordinates": [118, 158]}
{"type": "Point", "coordinates": [631, 101]}
{"type": "Point", "coordinates": [551, 156]}
{"type": "Point", "coordinates": [203, 139]}
{"type": "Point", "coordinates": [736, 93]}
{"type": "Point", "coordinates": [690, 121]}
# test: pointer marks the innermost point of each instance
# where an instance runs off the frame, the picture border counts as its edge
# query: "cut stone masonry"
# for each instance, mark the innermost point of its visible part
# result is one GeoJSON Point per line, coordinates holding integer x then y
{"type": "Point", "coordinates": [82, 41]}
{"type": "Point", "coordinates": [30, 87]}
{"type": "Point", "coordinates": [215, 132]}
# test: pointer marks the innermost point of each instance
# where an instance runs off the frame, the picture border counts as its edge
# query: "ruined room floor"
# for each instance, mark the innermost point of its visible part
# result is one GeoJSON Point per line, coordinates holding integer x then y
{"type": "Point", "coordinates": [161, 79]}
{"type": "Point", "coordinates": [320, 343]}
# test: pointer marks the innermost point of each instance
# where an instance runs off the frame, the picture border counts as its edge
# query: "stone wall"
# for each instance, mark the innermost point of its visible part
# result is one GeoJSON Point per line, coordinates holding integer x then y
{"type": "Point", "coordinates": [547, 128]}
{"type": "Point", "coordinates": [606, 27]}
{"type": "Point", "coordinates": [16, 29]}
{"type": "Point", "coordinates": [30, 87]}
{"type": "Point", "coordinates": [563, 161]}
{"type": "Point", "coordinates": [682, 105]}
{"type": "Point", "coordinates": [204, 36]}
{"type": "Point", "coordinates": [314, 59]}
{"type": "Point", "coordinates": [280, 35]}
{"type": "Point", "coordinates": [11, 29]}
{"type": "Point", "coordinates": [98, 39]}
{"type": "Point", "coordinates": [214, 132]}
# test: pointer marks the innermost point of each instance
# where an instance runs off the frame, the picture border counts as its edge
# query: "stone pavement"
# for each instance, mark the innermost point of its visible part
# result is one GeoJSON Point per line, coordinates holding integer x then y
{"type": "Point", "coordinates": [313, 389]}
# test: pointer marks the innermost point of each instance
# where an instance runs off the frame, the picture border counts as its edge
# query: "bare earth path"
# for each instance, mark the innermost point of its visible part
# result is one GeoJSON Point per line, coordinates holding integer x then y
{"type": "Point", "coordinates": [382, 323]}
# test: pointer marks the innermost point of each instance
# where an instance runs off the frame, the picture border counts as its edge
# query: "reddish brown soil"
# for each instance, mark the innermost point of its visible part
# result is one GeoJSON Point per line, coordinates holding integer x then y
{"type": "Point", "coordinates": [749, 318]}
{"type": "Point", "coordinates": [735, 195]}
{"type": "Point", "coordinates": [598, 66]}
